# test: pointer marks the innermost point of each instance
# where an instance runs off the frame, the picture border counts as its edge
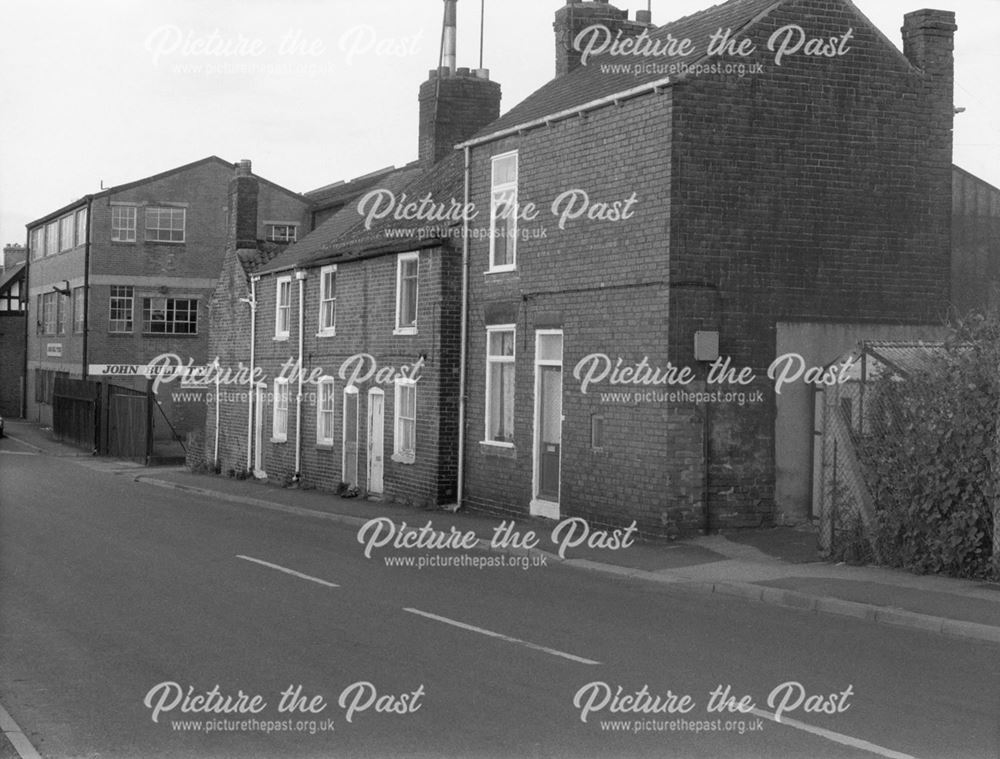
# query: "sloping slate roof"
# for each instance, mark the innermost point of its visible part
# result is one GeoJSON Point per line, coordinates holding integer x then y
{"type": "Point", "coordinates": [332, 194]}
{"type": "Point", "coordinates": [254, 259]}
{"type": "Point", "coordinates": [317, 243]}
{"type": "Point", "coordinates": [588, 83]}
{"type": "Point", "coordinates": [443, 183]}
{"type": "Point", "coordinates": [10, 275]}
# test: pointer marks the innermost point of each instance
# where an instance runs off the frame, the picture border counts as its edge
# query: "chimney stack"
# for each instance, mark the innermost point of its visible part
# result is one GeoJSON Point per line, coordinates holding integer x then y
{"type": "Point", "coordinates": [13, 254]}
{"type": "Point", "coordinates": [450, 52]}
{"type": "Point", "coordinates": [243, 191]}
{"type": "Point", "coordinates": [455, 103]}
{"type": "Point", "coordinates": [574, 17]}
{"type": "Point", "coordinates": [929, 44]}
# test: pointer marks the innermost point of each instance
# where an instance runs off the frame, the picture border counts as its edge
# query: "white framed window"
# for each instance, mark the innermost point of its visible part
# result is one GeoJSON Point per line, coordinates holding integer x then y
{"type": "Point", "coordinates": [282, 307]}
{"type": "Point", "coordinates": [120, 308]}
{"type": "Point", "coordinates": [50, 313]}
{"type": "Point", "coordinates": [78, 312]}
{"type": "Point", "coordinates": [170, 316]}
{"type": "Point", "coordinates": [325, 401]}
{"type": "Point", "coordinates": [123, 223]}
{"type": "Point", "coordinates": [404, 444]}
{"type": "Point", "coordinates": [281, 232]}
{"type": "Point", "coordinates": [165, 224]}
{"type": "Point", "coordinates": [407, 271]}
{"type": "Point", "coordinates": [81, 226]}
{"type": "Point", "coordinates": [328, 301]}
{"type": "Point", "coordinates": [37, 243]}
{"type": "Point", "coordinates": [66, 229]}
{"type": "Point", "coordinates": [61, 314]}
{"type": "Point", "coordinates": [500, 385]}
{"type": "Point", "coordinates": [503, 212]}
{"type": "Point", "coordinates": [279, 420]}
{"type": "Point", "coordinates": [52, 238]}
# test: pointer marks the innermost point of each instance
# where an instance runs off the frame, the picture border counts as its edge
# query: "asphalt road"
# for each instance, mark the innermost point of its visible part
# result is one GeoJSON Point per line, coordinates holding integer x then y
{"type": "Point", "coordinates": [121, 602]}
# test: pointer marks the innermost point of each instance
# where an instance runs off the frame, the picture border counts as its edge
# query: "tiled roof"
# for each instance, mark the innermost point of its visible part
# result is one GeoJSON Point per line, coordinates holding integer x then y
{"type": "Point", "coordinates": [340, 192]}
{"type": "Point", "coordinates": [442, 183]}
{"type": "Point", "coordinates": [588, 83]}
{"type": "Point", "coordinates": [318, 243]}
{"type": "Point", "coordinates": [10, 274]}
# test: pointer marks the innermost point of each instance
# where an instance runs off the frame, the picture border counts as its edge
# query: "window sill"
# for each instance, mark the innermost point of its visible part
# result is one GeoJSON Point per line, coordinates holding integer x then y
{"type": "Point", "coordinates": [498, 450]}
{"type": "Point", "coordinates": [169, 334]}
{"type": "Point", "coordinates": [279, 440]}
{"type": "Point", "coordinates": [324, 446]}
{"type": "Point", "coordinates": [405, 331]}
{"type": "Point", "coordinates": [501, 270]}
{"type": "Point", "coordinates": [280, 338]}
{"type": "Point", "coordinates": [404, 458]}
{"type": "Point", "coordinates": [327, 333]}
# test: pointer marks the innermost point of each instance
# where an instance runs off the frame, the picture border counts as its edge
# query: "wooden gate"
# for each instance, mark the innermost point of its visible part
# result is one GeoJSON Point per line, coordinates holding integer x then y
{"type": "Point", "coordinates": [128, 432]}
{"type": "Point", "coordinates": [75, 411]}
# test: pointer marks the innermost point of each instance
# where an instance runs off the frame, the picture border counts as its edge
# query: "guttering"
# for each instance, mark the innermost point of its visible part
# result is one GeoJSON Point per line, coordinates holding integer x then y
{"type": "Point", "coordinates": [577, 110]}
{"type": "Point", "coordinates": [463, 349]}
{"type": "Point", "coordinates": [300, 275]}
{"type": "Point", "coordinates": [251, 387]}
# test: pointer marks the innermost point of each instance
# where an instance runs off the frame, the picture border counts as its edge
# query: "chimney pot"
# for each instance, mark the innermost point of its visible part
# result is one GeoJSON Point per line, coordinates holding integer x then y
{"type": "Point", "coordinates": [244, 168]}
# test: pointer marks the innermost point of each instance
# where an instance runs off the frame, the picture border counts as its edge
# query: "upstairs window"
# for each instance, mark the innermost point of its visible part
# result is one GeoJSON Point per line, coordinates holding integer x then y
{"type": "Point", "coordinates": [407, 269]}
{"type": "Point", "coordinates": [81, 226]}
{"type": "Point", "coordinates": [282, 308]}
{"type": "Point", "coordinates": [503, 213]}
{"type": "Point", "coordinates": [165, 224]}
{"type": "Point", "coordinates": [78, 309]}
{"type": "Point", "coordinates": [50, 313]}
{"type": "Point", "coordinates": [37, 243]}
{"type": "Point", "coordinates": [282, 232]}
{"type": "Point", "coordinates": [52, 238]}
{"type": "Point", "coordinates": [120, 309]}
{"type": "Point", "coordinates": [66, 229]}
{"type": "Point", "coordinates": [328, 300]}
{"type": "Point", "coordinates": [123, 223]}
{"type": "Point", "coordinates": [170, 316]}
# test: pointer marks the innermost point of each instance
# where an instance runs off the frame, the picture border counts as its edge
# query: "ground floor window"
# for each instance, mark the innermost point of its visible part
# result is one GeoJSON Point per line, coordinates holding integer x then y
{"type": "Point", "coordinates": [279, 426]}
{"type": "Point", "coordinates": [405, 438]}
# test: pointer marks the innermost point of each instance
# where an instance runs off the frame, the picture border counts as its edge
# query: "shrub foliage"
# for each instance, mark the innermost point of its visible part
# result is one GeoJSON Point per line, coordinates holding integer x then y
{"type": "Point", "coordinates": [932, 458]}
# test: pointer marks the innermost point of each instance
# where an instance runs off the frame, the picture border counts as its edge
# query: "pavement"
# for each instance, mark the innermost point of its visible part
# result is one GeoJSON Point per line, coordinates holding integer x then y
{"type": "Point", "coordinates": [779, 566]}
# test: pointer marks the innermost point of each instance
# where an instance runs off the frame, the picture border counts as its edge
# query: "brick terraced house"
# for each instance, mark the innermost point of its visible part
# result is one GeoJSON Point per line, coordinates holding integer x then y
{"type": "Point", "coordinates": [595, 338]}
{"type": "Point", "coordinates": [124, 275]}
{"type": "Point", "coordinates": [370, 309]}
{"type": "Point", "coordinates": [790, 200]}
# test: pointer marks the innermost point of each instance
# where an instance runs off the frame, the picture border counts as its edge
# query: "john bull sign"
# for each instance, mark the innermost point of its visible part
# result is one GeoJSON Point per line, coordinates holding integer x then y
{"type": "Point", "coordinates": [167, 367]}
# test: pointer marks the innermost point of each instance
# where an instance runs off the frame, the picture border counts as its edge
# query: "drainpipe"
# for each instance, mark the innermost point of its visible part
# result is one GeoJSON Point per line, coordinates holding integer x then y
{"type": "Point", "coordinates": [86, 288]}
{"type": "Point", "coordinates": [218, 372]}
{"type": "Point", "coordinates": [463, 349]}
{"type": "Point", "coordinates": [252, 384]}
{"type": "Point", "coordinates": [300, 275]}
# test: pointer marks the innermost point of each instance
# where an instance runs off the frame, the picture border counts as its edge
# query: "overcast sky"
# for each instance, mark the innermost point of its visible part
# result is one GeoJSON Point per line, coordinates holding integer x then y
{"type": "Point", "coordinates": [313, 91]}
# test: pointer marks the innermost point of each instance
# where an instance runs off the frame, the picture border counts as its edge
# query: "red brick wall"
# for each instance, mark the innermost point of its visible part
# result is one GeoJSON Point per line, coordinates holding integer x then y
{"type": "Point", "coordinates": [820, 189]}
{"type": "Point", "coordinates": [365, 321]}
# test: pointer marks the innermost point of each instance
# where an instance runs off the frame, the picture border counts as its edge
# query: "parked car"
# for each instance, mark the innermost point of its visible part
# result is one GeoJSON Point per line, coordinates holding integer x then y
{"type": "Point", "coordinates": [1, 426]}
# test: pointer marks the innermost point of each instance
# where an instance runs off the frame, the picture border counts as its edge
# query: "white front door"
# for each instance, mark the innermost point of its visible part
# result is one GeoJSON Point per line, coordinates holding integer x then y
{"type": "Point", "coordinates": [349, 463]}
{"type": "Point", "coordinates": [258, 432]}
{"type": "Point", "coordinates": [376, 434]}
{"type": "Point", "coordinates": [548, 423]}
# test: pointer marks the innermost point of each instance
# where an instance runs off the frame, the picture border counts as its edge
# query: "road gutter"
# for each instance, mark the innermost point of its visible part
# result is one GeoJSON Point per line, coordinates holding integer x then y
{"type": "Point", "coordinates": [787, 599]}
